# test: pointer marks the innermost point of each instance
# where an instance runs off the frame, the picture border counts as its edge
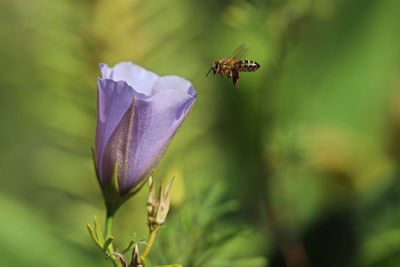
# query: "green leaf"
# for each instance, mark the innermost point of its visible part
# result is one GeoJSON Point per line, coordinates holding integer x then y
{"type": "Point", "coordinates": [107, 243]}
{"type": "Point", "coordinates": [97, 228]}
{"type": "Point", "coordinates": [130, 244]}
{"type": "Point", "coordinates": [92, 235]}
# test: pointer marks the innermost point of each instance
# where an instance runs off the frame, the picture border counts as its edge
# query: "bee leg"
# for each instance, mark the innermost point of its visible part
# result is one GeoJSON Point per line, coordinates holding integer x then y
{"type": "Point", "coordinates": [230, 74]}
{"type": "Point", "coordinates": [235, 79]}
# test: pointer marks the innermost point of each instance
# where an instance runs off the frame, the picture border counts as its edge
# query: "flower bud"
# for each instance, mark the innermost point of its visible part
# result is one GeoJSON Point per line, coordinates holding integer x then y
{"type": "Point", "coordinates": [157, 210]}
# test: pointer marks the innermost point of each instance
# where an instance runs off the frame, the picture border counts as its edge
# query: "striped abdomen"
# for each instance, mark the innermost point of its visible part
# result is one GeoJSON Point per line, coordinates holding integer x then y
{"type": "Point", "coordinates": [247, 65]}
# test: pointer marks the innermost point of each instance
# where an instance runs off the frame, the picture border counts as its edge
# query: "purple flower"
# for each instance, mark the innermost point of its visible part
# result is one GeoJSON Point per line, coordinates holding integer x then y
{"type": "Point", "coordinates": [138, 114]}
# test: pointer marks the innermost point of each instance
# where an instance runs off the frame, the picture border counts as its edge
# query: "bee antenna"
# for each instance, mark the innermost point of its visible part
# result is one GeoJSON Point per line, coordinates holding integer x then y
{"type": "Point", "coordinates": [209, 71]}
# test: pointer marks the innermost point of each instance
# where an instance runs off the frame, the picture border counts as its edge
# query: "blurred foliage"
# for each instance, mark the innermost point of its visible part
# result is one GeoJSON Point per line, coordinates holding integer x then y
{"type": "Point", "coordinates": [297, 167]}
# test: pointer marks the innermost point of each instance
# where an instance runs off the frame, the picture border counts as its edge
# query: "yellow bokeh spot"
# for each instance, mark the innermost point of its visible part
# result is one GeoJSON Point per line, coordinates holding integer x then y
{"type": "Point", "coordinates": [178, 187]}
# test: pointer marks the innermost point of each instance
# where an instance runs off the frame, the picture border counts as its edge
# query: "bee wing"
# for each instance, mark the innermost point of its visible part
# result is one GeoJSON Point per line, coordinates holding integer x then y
{"type": "Point", "coordinates": [239, 52]}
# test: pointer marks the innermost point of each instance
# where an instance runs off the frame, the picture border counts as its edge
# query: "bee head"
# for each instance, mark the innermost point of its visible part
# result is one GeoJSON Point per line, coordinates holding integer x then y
{"type": "Point", "coordinates": [215, 67]}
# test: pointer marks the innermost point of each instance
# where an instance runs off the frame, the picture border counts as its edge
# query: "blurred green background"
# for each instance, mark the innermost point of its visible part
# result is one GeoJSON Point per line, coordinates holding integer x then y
{"type": "Point", "coordinates": [297, 167]}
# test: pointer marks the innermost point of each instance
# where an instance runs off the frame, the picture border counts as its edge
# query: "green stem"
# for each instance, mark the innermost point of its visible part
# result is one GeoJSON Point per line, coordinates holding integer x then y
{"type": "Point", "coordinates": [109, 220]}
{"type": "Point", "coordinates": [150, 242]}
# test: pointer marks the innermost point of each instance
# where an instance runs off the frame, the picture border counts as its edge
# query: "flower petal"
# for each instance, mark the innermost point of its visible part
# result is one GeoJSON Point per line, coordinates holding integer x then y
{"type": "Point", "coordinates": [173, 82]}
{"type": "Point", "coordinates": [140, 79]}
{"type": "Point", "coordinates": [114, 99]}
{"type": "Point", "coordinates": [143, 134]}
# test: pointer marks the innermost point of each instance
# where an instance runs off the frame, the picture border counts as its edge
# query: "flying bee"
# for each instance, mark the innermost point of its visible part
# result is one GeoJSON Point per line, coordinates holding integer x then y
{"type": "Point", "coordinates": [233, 65]}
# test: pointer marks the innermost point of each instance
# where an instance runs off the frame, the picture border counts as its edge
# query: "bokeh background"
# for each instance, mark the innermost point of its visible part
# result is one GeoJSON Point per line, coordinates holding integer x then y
{"type": "Point", "coordinates": [297, 167]}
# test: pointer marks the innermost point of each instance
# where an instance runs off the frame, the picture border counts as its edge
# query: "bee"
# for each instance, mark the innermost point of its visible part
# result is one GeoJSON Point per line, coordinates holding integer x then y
{"type": "Point", "coordinates": [233, 65]}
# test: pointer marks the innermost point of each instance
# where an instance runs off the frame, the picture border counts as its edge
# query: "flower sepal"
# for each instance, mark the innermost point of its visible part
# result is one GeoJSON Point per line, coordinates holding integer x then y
{"type": "Point", "coordinates": [111, 193]}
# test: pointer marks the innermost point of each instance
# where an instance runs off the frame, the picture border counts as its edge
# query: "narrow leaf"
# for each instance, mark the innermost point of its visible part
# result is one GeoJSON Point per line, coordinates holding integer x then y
{"type": "Point", "coordinates": [129, 246]}
{"type": "Point", "coordinates": [107, 243]}
{"type": "Point", "coordinates": [92, 235]}
{"type": "Point", "coordinates": [97, 228]}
